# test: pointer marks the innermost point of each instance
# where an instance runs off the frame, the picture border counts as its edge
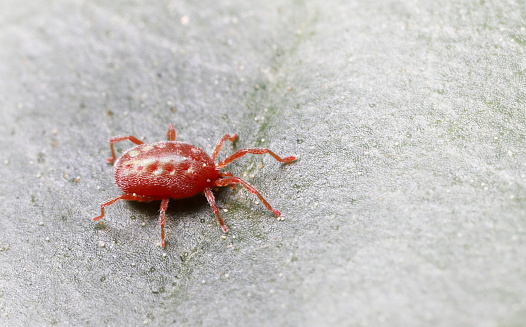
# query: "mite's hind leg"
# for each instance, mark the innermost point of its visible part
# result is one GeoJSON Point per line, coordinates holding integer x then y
{"type": "Point", "coordinates": [228, 179]}
{"type": "Point", "coordinates": [125, 196]}
{"type": "Point", "coordinates": [162, 219]}
{"type": "Point", "coordinates": [212, 201]}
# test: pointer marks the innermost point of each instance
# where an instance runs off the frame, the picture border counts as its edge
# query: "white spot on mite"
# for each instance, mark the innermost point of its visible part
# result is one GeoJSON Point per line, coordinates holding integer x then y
{"type": "Point", "coordinates": [158, 171]}
{"type": "Point", "coordinates": [134, 153]}
{"type": "Point", "coordinates": [147, 148]}
{"type": "Point", "coordinates": [204, 165]}
{"type": "Point", "coordinates": [190, 170]}
{"type": "Point", "coordinates": [146, 162]}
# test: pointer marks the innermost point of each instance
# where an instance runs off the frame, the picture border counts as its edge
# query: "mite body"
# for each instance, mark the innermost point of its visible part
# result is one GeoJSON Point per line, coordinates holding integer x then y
{"type": "Point", "coordinates": [165, 169]}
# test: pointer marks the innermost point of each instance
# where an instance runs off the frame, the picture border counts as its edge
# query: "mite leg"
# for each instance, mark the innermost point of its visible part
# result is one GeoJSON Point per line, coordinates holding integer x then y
{"type": "Point", "coordinates": [129, 197]}
{"type": "Point", "coordinates": [170, 134]}
{"type": "Point", "coordinates": [118, 139]}
{"type": "Point", "coordinates": [219, 144]}
{"type": "Point", "coordinates": [241, 153]}
{"type": "Point", "coordinates": [162, 219]}
{"type": "Point", "coordinates": [212, 201]}
{"type": "Point", "coordinates": [228, 180]}
{"type": "Point", "coordinates": [225, 173]}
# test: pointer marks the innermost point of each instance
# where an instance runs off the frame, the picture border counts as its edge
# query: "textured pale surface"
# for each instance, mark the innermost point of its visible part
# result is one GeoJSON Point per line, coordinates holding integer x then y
{"type": "Point", "coordinates": [406, 208]}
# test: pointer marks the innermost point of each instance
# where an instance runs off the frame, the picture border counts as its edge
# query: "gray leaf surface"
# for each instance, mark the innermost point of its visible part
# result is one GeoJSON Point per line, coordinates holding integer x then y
{"type": "Point", "coordinates": [407, 206]}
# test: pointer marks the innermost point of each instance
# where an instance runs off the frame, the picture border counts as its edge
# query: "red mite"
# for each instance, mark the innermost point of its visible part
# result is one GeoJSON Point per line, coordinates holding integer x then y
{"type": "Point", "coordinates": [174, 170]}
